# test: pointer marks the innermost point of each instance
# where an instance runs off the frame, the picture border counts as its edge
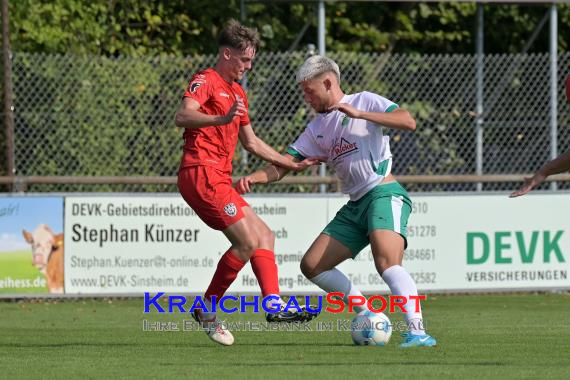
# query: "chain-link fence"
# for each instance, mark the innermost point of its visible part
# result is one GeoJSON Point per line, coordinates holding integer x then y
{"type": "Point", "coordinates": [98, 116]}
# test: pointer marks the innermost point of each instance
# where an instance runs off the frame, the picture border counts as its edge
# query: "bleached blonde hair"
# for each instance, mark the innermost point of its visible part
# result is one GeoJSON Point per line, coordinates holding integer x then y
{"type": "Point", "coordinates": [315, 66]}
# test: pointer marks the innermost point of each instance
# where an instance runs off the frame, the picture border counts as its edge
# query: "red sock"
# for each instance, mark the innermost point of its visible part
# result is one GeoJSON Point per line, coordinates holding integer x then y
{"type": "Point", "coordinates": [226, 272]}
{"type": "Point", "coordinates": [263, 265]}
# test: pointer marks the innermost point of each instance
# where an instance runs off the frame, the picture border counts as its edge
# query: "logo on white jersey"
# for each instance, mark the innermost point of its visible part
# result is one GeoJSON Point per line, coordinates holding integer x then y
{"type": "Point", "coordinates": [230, 209]}
{"type": "Point", "coordinates": [342, 148]}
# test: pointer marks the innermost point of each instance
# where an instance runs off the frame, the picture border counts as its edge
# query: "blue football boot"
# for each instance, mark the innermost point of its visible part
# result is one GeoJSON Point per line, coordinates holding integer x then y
{"type": "Point", "coordinates": [411, 340]}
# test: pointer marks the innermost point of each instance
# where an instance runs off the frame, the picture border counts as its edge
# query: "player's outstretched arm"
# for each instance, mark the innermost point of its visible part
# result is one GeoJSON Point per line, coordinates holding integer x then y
{"type": "Point", "coordinates": [268, 174]}
{"type": "Point", "coordinates": [189, 116]}
{"type": "Point", "coordinates": [258, 147]}
{"type": "Point", "coordinates": [397, 119]}
{"type": "Point", "coordinates": [558, 165]}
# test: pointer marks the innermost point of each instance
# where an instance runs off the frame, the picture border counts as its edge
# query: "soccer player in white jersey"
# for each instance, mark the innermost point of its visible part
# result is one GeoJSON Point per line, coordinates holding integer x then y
{"type": "Point", "coordinates": [347, 134]}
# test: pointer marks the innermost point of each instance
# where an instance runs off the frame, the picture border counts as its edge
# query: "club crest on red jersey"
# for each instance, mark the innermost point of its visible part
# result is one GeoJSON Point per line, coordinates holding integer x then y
{"type": "Point", "coordinates": [230, 209]}
{"type": "Point", "coordinates": [194, 86]}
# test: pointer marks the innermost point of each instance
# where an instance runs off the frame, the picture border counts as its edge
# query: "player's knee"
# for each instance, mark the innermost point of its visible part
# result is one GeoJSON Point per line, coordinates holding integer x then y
{"type": "Point", "coordinates": [266, 238]}
{"type": "Point", "coordinates": [247, 246]}
{"type": "Point", "coordinates": [384, 263]}
{"type": "Point", "coordinates": [387, 259]}
{"type": "Point", "coordinates": [307, 269]}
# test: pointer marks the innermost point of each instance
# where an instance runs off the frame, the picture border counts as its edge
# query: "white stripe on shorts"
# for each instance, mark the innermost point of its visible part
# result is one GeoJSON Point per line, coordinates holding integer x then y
{"type": "Point", "coordinates": [397, 204]}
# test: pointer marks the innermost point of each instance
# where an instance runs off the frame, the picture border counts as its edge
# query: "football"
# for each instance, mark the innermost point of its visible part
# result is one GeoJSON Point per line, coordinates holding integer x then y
{"type": "Point", "coordinates": [371, 329]}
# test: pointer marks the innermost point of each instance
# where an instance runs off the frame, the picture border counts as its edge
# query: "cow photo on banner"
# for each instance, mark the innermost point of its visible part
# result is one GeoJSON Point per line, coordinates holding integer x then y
{"type": "Point", "coordinates": [31, 245]}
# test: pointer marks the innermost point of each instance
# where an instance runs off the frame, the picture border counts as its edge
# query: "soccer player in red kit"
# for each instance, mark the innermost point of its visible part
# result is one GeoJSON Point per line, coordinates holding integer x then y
{"type": "Point", "coordinates": [214, 114]}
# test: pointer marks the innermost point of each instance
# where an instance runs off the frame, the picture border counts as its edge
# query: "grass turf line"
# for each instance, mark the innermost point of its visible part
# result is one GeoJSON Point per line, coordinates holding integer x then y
{"type": "Point", "coordinates": [479, 336]}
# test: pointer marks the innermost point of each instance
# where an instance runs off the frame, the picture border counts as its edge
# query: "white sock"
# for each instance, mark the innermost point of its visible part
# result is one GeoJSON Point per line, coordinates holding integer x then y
{"type": "Point", "coordinates": [401, 284]}
{"type": "Point", "coordinates": [206, 316]}
{"type": "Point", "coordinates": [334, 280]}
{"type": "Point", "coordinates": [273, 303]}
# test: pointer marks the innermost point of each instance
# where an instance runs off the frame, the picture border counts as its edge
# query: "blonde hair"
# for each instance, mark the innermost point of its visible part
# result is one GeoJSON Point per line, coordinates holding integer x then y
{"type": "Point", "coordinates": [315, 66]}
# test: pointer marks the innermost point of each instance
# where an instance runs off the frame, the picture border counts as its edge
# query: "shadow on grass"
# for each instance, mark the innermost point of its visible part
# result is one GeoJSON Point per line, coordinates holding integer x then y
{"type": "Point", "coordinates": [185, 345]}
{"type": "Point", "coordinates": [363, 363]}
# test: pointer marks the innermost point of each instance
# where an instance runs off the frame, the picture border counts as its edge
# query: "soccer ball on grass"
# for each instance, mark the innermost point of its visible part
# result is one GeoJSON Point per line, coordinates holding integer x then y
{"type": "Point", "coordinates": [371, 329]}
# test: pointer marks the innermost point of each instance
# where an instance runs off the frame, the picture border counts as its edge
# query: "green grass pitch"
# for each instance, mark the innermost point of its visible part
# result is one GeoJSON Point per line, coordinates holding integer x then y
{"type": "Point", "coordinates": [513, 336]}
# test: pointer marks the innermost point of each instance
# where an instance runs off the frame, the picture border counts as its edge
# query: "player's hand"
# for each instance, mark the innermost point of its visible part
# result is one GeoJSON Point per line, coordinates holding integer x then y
{"type": "Point", "coordinates": [237, 109]}
{"type": "Point", "coordinates": [298, 166]}
{"type": "Point", "coordinates": [243, 185]}
{"type": "Point", "coordinates": [529, 184]}
{"type": "Point", "coordinates": [347, 109]}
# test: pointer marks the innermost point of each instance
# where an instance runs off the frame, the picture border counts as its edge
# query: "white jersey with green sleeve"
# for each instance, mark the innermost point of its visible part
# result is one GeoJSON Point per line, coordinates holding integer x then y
{"type": "Point", "coordinates": [356, 148]}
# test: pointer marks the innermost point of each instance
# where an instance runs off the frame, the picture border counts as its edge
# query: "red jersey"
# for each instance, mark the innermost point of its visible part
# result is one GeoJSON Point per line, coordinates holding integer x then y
{"type": "Point", "coordinates": [215, 145]}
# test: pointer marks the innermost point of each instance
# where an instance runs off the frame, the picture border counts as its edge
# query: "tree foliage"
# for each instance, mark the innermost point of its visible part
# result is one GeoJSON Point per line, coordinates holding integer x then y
{"type": "Point", "coordinates": [181, 27]}
{"type": "Point", "coordinates": [128, 37]}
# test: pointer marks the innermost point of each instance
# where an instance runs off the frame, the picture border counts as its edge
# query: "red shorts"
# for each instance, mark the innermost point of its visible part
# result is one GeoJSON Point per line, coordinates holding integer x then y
{"type": "Point", "coordinates": [211, 195]}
